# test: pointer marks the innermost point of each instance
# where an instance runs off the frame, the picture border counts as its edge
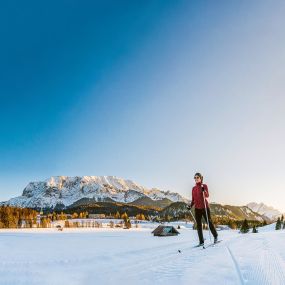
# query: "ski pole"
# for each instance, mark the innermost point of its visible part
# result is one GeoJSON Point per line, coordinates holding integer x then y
{"type": "Point", "coordinates": [193, 217]}
{"type": "Point", "coordinates": [206, 215]}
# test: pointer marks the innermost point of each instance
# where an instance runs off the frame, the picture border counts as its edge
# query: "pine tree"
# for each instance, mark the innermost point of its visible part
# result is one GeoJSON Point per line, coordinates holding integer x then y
{"type": "Point", "coordinates": [62, 216]}
{"type": "Point", "coordinates": [127, 221]}
{"type": "Point", "coordinates": [117, 215]}
{"type": "Point", "coordinates": [54, 216]}
{"type": "Point", "coordinates": [244, 227]}
{"type": "Point", "coordinates": [278, 224]}
{"type": "Point", "coordinates": [167, 218]}
{"type": "Point", "coordinates": [232, 224]}
{"type": "Point", "coordinates": [124, 216]}
{"type": "Point", "coordinates": [140, 217]}
{"type": "Point", "coordinates": [74, 216]}
{"type": "Point", "coordinates": [44, 222]}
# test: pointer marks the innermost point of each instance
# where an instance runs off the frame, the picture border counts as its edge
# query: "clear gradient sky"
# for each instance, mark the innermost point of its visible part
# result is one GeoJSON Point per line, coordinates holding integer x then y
{"type": "Point", "coordinates": [151, 91]}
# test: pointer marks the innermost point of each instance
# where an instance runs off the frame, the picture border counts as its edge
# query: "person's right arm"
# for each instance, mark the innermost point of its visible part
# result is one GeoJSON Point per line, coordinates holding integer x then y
{"type": "Point", "coordinates": [192, 202]}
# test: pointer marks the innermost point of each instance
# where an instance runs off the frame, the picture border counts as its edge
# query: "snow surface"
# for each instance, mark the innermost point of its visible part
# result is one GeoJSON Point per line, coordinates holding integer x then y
{"type": "Point", "coordinates": [135, 256]}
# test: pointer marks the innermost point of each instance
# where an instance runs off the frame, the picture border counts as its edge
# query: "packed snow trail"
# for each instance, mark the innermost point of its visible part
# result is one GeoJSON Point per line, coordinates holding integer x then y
{"type": "Point", "coordinates": [115, 256]}
{"type": "Point", "coordinates": [259, 258]}
{"type": "Point", "coordinates": [235, 265]}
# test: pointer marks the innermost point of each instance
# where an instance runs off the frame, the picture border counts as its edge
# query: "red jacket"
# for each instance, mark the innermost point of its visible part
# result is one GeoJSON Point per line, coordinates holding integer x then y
{"type": "Point", "coordinates": [197, 196]}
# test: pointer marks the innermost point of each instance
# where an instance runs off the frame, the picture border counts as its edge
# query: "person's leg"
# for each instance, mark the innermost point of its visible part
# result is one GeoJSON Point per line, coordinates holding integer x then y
{"type": "Point", "coordinates": [198, 217]}
{"type": "Point", "coordinates": [211, 225]}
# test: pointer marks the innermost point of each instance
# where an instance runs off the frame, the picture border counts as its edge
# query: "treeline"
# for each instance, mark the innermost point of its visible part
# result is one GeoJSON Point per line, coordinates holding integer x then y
{"type": "Point", "coordinates": [12, 217]}
{"type": "Point", "coordinates": [108, 208]}
{"type": "Point", "coordinates": [55, 216]}
{"type": "Point", "coordinates": [232, 223]}
{"type": "Point", "coordinates": [81, 220]}
{"type": "Point", "coordinates": [140, 216]}
{"type": "Point", "coordinates": [246, 225]}
{"type": "Point", "coordinates": [119, 214]}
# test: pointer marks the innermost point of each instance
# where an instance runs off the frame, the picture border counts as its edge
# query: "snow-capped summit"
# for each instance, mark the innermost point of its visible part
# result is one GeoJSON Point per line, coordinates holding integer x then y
{"type": "Point", "coordinates": [66, 190]}
{"type": "Point", "coordinates": [264, 210]}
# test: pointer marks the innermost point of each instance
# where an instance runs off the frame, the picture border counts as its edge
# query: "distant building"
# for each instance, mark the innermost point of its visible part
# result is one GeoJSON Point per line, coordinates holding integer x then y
{"type": "Point", "coordinates": [96, 216]}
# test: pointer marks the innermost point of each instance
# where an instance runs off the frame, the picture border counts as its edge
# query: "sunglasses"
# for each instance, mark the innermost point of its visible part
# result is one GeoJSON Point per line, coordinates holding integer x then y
{"type": "Point", "coordinates": [197, 177]}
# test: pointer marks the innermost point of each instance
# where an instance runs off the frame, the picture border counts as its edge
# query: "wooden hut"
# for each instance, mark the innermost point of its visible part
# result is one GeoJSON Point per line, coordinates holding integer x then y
{"type": "Point", "coordinates": [164, 231]}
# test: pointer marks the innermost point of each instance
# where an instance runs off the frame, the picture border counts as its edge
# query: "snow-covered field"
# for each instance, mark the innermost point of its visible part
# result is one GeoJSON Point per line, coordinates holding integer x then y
{"type": "Point", "coordinates": [118, 256]}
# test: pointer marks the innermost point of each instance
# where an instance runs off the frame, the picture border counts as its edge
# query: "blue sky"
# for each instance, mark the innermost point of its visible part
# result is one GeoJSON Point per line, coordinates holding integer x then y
{"type": "Point", "coordinates": [146, 90]}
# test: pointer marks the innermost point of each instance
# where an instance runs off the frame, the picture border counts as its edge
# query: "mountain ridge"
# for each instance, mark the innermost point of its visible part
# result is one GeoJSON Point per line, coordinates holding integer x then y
{"type": "Point", "coordinates": [265, 210]}
{"type": "Point", "coordinates": [60, 192]}
{"type": "Point", "coordinates": [65, 190]}
{"type": "Point", "coordinates": [178, 209]}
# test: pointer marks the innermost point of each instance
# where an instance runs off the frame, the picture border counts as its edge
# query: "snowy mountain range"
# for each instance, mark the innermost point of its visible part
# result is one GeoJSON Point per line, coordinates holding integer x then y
{"type": "Point", "coordinates": [264, 210]}
{"type": "Point", "coordinates": [64, 190]}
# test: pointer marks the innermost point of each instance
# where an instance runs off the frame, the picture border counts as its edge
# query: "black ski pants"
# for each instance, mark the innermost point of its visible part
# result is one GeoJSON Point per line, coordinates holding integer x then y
{"type": "Point", "coordinates": [199, 213]}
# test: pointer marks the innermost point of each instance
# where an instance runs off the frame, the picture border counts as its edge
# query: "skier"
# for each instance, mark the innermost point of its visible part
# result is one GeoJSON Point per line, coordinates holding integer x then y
{"type": "Point", "coordinates": [201, 205]}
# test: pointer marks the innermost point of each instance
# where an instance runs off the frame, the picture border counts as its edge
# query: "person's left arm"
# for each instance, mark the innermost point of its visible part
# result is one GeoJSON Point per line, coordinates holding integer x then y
{"type": "Point", "coordinates": [205, 190]}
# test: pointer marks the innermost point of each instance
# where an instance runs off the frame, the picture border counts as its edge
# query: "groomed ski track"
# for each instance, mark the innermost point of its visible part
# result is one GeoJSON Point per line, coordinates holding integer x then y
{"type": "Point", "coordinates": [136, 257]}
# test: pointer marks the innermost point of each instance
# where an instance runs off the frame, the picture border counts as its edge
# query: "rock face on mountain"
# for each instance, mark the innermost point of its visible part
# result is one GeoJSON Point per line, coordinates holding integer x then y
{"type": "Point", "coordinates": [265, 210]}
{"type": "Point", "coordinates": [217, 210]}
{"type": "Point", "coordinates": [64, 191]}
